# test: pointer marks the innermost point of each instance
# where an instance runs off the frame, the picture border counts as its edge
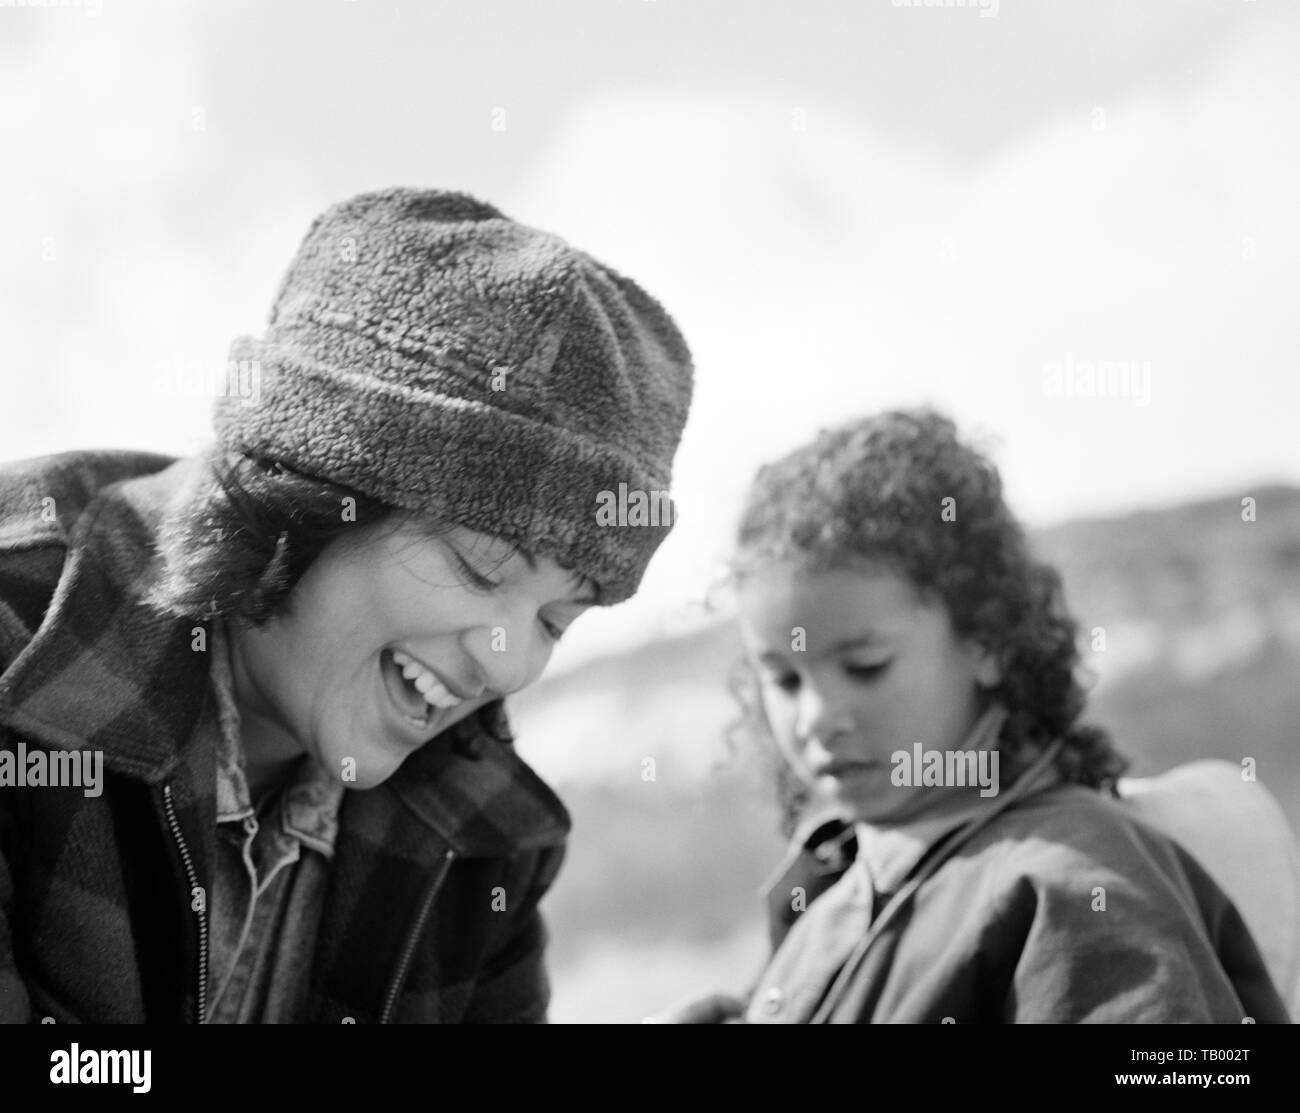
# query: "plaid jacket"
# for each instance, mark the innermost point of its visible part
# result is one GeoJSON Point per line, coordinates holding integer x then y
{"type": "Point", "coordinates": [431, 912]}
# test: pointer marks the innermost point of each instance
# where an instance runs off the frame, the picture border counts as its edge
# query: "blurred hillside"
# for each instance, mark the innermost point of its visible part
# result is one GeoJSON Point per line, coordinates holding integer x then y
{"type": "Point", "coordinates": [1200, 613]}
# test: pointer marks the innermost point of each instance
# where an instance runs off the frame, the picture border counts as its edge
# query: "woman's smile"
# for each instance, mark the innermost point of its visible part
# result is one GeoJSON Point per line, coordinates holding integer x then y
{"type": "Point", "coordinates": [424, 703]}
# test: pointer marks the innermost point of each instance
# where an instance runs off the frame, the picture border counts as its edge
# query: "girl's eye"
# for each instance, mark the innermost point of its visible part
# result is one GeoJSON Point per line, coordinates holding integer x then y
{"type": "Point", "coordinates": [785, 681]}
{"type": "Point", "coordinates": [555, 633]}
{"type": "Point", "coordinates": [476, 579]}
{"type": "Point", "coordinates": [866, 671]}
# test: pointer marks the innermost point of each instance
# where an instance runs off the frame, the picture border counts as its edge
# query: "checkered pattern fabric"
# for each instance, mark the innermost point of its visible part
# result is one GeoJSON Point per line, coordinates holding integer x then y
{"type": "Point", "coordinates": [431, 909]}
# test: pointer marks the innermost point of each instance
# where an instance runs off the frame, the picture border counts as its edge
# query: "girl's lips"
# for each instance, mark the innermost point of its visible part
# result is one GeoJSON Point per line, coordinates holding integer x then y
{"type": "Point", "coordinates": [846, 768]}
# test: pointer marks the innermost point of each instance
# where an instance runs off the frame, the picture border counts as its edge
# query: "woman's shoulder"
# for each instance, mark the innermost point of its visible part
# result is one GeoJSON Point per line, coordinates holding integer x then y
{"type": "Point", "coordinates": [42, 495]}
{"type": "Point", "coordinates": [78, 471]}
{"type": "Point", "coordinates": [42, 500]}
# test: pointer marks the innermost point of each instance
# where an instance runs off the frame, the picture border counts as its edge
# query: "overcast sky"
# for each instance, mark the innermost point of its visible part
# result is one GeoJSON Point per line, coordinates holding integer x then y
{"type": "Point", "coordinates": [846, 206]}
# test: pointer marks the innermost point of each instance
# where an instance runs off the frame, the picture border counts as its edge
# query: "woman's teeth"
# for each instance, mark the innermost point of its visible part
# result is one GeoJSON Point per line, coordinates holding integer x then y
{"type": "Point", "coordinates": [423, 681]}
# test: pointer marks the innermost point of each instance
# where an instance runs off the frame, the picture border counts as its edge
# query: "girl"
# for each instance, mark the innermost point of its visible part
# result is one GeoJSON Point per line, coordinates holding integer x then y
{"type": "Point", "coordinates": [961, 858]}
{"type": "Point", "coordinates": [289, 653]}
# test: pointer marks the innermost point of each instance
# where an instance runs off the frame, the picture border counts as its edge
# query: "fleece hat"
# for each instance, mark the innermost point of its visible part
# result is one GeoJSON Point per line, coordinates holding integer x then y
{"type": "Point", "coordinates": [430, 352]}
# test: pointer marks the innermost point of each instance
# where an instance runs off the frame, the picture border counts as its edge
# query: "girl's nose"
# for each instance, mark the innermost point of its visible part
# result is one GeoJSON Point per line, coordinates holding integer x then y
{"type": "Point", "coordinates": [821, 718]}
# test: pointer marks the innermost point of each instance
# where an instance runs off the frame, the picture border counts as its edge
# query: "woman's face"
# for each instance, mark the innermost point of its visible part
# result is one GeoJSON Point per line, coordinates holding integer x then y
{"type": "Point", "coordinates": [392, 636]}
{"type": "Point", "coordinates": [854, 666]}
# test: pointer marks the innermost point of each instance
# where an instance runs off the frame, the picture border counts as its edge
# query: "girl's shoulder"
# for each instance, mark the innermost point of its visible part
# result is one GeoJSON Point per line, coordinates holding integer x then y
{"type": "Point", "coordinates": [1078, 838]}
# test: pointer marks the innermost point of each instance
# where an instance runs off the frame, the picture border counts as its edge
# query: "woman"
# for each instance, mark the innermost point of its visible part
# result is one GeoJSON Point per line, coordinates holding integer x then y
{"type": "Point", "coordinates": [290, 652]}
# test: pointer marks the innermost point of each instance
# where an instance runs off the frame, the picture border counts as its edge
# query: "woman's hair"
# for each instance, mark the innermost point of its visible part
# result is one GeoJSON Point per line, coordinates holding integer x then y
{"type": "Point", "coordinates": [238, 543]}
{"type": "Point", "coordinates": [899, 490]}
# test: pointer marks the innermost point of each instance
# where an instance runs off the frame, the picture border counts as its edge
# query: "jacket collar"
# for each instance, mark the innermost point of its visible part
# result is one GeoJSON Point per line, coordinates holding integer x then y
{"type": "Point", "coordinates": [110, 672]}
{"type": "Point", "coordinates": [826, 843]}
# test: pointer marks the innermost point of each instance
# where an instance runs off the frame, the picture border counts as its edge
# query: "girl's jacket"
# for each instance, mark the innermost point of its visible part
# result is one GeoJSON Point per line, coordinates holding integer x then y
{"type": "Point", "coordinates": [1060, 907]}
{"type": "Point", "coordinates": [431, 912]}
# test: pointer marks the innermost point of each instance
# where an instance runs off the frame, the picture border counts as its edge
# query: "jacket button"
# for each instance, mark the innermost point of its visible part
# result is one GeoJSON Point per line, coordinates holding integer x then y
{"type": "Point", "coordinates": [774, 1000]}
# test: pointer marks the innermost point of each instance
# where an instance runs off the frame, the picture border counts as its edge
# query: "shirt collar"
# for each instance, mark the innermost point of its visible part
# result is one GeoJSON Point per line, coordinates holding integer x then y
{"type": "Point", "coordinates": [309, 804]}
{"type": "Point", "coordinates": [234, 801]}
{"type": "Point", "coordinates": [310, 807]}
{"type": "Point", "coordinates": [886, 855]}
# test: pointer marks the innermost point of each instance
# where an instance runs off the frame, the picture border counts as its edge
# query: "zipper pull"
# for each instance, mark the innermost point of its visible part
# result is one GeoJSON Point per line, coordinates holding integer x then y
{"type": "Point", "coordinates": [196, 891]}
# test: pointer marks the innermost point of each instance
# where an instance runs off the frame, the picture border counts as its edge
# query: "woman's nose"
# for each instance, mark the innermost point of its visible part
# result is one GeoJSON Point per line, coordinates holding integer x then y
{"type": "Point", "coordinates": [508, 657]}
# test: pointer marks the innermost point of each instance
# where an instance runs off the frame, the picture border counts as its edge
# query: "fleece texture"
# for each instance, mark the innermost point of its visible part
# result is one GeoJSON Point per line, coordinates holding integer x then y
{"type": "Point", "coordinates": [430, 352]}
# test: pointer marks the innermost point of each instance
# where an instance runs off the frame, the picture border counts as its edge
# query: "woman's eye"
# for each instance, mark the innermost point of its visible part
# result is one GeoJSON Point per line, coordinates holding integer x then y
{"type": "Point", "coordinates": [555, 633]}
{"type": "Point", "coordinates": [866, 670]}
{"type": "Point", "coordinates": [476, 579]}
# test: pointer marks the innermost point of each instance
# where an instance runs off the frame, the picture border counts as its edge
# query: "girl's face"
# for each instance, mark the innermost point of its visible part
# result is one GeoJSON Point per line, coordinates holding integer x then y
{"type": "Point", "coordinates": [853, 666]}
{"type": "Point", "coordinates": [392, 636]}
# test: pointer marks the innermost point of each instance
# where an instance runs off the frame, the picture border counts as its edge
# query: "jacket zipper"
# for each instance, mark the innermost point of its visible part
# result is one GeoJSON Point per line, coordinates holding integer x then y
{"type": "Point", "coordinates": [202, 913]}
{"type": "Point", "coordinates": [413, 937]}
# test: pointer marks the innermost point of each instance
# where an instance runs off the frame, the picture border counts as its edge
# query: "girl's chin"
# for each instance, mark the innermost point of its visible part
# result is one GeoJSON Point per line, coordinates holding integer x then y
{"type": "Point", "coordinates": [886, 808]}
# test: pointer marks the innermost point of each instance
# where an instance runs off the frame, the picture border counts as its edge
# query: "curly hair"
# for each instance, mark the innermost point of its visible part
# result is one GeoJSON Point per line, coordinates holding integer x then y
{"type": "Point", "coordinates": [873, 491]}
{"type": "Point", "coordinates": [239, 542]}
